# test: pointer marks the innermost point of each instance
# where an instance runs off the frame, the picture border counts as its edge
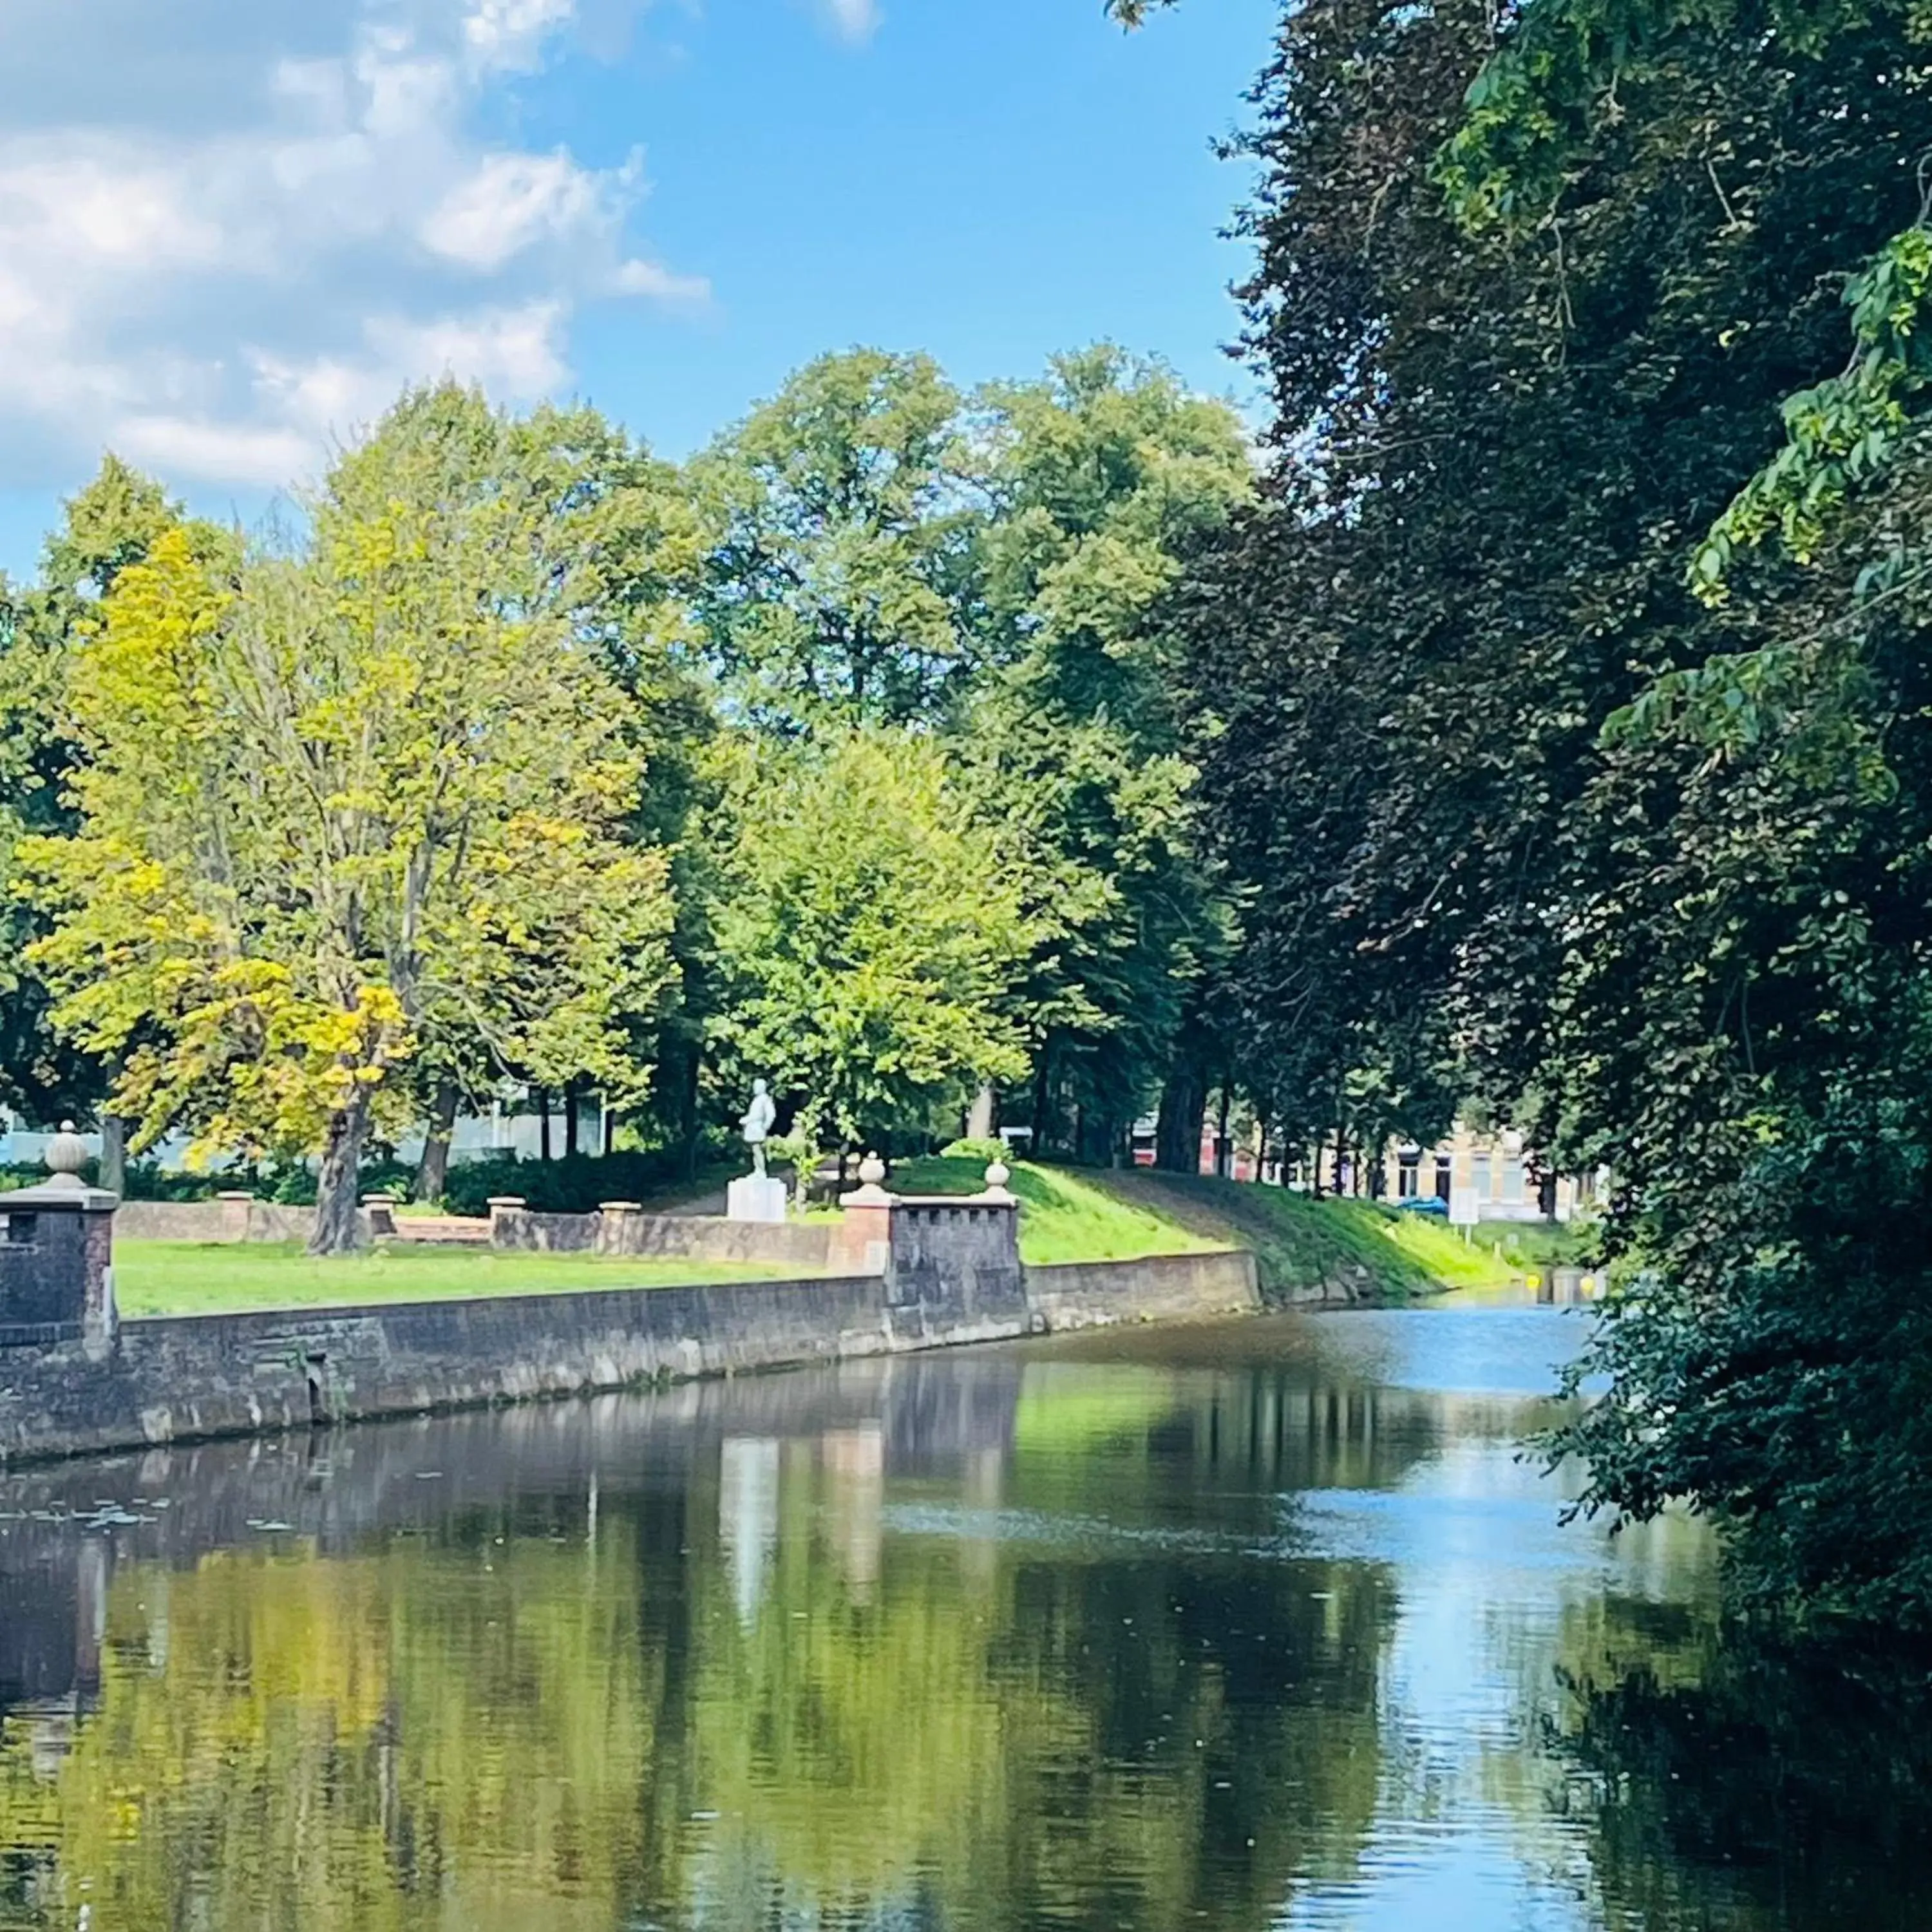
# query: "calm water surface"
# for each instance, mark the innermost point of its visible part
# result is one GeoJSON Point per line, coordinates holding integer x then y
{"type": "Point", "coordinates": [1264, 1625]}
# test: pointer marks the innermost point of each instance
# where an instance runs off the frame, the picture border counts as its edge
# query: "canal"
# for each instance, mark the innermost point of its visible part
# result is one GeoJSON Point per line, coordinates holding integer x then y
{"type": "Point", "coordinates": [1267, 1624]}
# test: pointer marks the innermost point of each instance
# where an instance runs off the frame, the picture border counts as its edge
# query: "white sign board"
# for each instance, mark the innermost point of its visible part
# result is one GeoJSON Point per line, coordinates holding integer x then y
{"type": "Point", "coordinates": [1464, 1207]}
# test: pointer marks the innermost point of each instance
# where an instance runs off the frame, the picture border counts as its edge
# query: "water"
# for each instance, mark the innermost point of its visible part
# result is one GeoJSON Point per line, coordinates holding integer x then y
{"type": "Point", "coordinates": [1266, 1625]}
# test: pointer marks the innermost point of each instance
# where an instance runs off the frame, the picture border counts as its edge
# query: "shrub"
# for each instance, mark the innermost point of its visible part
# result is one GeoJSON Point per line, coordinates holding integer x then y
{"type": "Point", "coordinates": [147, 1180]}
{"type": "Point", "coordinates": [987, 1151]}
{"type": "Point", "coordinates": [576, 1184]}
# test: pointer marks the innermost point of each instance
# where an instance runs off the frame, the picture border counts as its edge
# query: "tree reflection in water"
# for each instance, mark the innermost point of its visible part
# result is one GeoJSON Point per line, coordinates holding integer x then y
{"type": "Point", "coordinates": [989, 1643]}
{"type": "Point", "coordinates": [1740, 1778]}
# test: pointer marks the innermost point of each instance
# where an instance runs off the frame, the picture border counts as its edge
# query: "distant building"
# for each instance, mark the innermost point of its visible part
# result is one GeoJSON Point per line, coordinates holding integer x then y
{"type": "Point", "coordinates": [1508, 1180]}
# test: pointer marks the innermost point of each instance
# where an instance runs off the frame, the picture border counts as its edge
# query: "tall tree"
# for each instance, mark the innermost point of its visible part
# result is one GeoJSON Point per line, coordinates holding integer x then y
{"type": "Point", "coordinates": [867, 935]}
{"type": "Point", "coordinates": [1533, 307]}
{"type": "Point", "coordinates": [338, 801]}
{"type": "Point", "coordinates": [842, 517]}
{"type": "Point", "coordinates": [1101, 477]}
{"type": "Point", "coordinates": [112, 523]}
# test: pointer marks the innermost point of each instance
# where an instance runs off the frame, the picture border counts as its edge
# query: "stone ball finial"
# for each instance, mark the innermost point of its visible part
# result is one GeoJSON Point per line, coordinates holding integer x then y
{"type": "Point", "coordinates": [67, 1152]}
{"type": "Point", "coordinates": [997, 1175]}
{"type": "Point", "coordinates": [872, 1171]}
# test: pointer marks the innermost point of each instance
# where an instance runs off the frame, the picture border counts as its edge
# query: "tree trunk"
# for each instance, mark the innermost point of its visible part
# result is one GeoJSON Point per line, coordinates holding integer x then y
{"type": "Point", "coordinates": [1042, 1096]}
{"type": "Point", "coordinates": [338, 1228]}
{"type": "Point", "coordinates": [540, 1095]}
{"type": "Point", "coordinates": [1183, 1112]}
{"type": "Point", "coordinates": [114, 1153]}
{"type": "Point", "coordinates": [433, 1175]}
{"type": "Point", "coordinates": [1223, 1153]}
{"type": "Point", "coordinates": [609, 1146]}
{"type": "Point", "coordinates": [979, 1117]}
{"type": "Point", "coordinates": [684, 1069]}
{"type": "Point", "coordinates": [573, 1105]}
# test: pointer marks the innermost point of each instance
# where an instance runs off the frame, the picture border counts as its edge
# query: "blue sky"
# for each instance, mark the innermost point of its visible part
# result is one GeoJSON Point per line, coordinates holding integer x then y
{"type": "Point", "coordinates": [230, 230]}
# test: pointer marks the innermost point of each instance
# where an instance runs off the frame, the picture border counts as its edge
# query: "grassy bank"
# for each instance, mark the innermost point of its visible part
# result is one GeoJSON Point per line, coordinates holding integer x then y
{"type": "Point", "coordinates": [200, 1278]}
{"type": "Point", "coordinates": [1082, 1214]}
{"type": "Point", "coordinates": [1068, 1215]}
{"type": "Point", "coordinates": [1299, 1243]}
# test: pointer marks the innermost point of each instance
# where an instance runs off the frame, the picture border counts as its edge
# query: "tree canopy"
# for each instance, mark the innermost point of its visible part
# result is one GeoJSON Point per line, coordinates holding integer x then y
{"type": "Point", "coordinates": [336, 801]}
{"type": "Point", "coordinates": [1559, 710]}
{"type": "Point", "coordinates": [868, 933]}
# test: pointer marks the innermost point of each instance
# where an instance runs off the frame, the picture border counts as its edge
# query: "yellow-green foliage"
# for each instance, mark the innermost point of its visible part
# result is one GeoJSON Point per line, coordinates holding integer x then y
{"type": "Point", "coordinates": [335, 802]}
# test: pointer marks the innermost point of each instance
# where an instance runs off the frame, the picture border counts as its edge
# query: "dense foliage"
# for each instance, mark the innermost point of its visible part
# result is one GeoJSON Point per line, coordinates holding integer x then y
{"type": "Point", "coordinates": [1562, 709]}
{"type": "Point", "coordinates": [845, 756]}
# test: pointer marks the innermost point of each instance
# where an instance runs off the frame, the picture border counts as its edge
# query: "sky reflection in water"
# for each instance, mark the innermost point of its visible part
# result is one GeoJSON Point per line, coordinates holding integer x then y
{"type": "Point", "coordinates": [1264, 1625]}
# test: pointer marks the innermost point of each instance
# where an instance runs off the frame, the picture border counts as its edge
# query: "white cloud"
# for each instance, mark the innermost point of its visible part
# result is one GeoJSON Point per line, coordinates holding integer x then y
{"type": "Point", "coordinates": [509, 33]}
{"type": "Point", "coordinates": [854, 19]}
{"type": "Point", "coordinates": [189, 447]}
{"type": "Point", "coordinates": [219, 287]}
{"type": "Point", "coordinates": [509, 202]}
{"type": "Point", "coordinates": [516, 354]}
{"type": "Point", "coordinates": [651, 279]}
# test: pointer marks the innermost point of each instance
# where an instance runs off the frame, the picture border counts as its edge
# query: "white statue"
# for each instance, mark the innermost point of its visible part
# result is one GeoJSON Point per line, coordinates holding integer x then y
{"type": "Point", "coordinates": [757, 1125]}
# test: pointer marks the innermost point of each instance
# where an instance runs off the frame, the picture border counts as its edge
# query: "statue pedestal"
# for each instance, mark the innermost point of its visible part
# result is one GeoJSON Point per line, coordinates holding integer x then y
{"type": "Point", "coordinates": [757, 1198]}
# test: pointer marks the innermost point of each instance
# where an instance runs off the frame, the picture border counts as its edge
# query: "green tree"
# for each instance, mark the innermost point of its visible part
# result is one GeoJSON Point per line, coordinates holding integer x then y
{"type": "Point", "coordinates": [1101, 477]}
{"type": "Point", "coordinates": [1533, 308]}
{"type": "Point", "coordinates": [841, 517]}
{"type": "Point", "coordinates": [867, 935]}
{"type": "Point", "coordinates": [622, 545]}
{"type": "Point", "coordinates": [107, 525]}
{"type": "Point", "coordinates": [340, 801]}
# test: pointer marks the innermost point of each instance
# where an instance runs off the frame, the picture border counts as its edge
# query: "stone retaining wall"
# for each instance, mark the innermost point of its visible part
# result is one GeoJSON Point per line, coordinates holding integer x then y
{"type": "Point", "coordinates": [631, 1232]}
{"type": "Point", "coordinates": [1166, 1288]}
{"type": "Point", "coordinates": [227, 1218]}
{"type": "Point", "coordinates": [192, 1377]}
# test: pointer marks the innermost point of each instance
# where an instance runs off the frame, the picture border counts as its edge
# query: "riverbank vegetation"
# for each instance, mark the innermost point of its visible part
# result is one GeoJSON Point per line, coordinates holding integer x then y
{"type": "Point", "coordinates": [1299, 1244]}
{"type": "Point", "coordinates": [1595, 530]}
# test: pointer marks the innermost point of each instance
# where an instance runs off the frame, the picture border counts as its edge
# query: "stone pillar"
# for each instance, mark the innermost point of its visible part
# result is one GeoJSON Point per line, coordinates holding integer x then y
{"type": "Point", "coordinates": [620, 1228]}
{"type": "Point", "coordinates": [506, 1218]}
{"type": "Point", "coordinates": [863, 1243]}
{"type": "Point", "coordinates": [57, 1257]}
{"type": "Point", "coordinates": [956, 1260]}
{"type": "Point", "coordinates": [237, 1209]}
{"type": "Point", "coordinates": [380, 1211]}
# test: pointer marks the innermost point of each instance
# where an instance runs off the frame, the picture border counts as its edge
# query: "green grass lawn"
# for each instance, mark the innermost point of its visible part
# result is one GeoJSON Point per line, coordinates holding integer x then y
{"type": "Point", "coordinates": [1066, 1214]}
{"type": "Point", "coordinates": [1090, 1214]}
{"type": "Point", "coordinates": [202, 1278]}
